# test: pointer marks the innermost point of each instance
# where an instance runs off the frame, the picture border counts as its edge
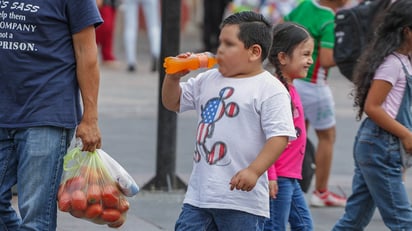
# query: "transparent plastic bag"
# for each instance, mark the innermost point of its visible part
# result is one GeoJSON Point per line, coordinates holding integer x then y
{"type": "Point", "coordinates": [88, 190]}
{"type": "Point", "coordinates": [124, 181]}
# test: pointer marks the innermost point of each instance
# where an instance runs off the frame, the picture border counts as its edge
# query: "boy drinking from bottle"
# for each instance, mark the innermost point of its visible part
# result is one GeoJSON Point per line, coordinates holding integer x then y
{"type": "Point", "coordinates": [244, 124]}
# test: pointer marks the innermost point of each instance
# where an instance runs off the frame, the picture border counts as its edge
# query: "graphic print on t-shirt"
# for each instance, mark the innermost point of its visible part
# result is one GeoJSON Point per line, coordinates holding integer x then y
{"type": "Point", "coordinates": [211, 113]}
{"type": "Point", "coordinates": [15, 20]}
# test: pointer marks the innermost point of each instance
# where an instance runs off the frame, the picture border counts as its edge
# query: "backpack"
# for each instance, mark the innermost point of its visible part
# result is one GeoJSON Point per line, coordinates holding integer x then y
{"type": "Point", "coordinates": [308, 166]}
{"type": "Point", "coordinates": [353, 28]}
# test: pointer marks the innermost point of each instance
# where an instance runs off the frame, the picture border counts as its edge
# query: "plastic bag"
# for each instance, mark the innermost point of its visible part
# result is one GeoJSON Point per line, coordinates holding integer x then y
{"type": "Point", "coordinates": [124, 181]}
{"type": "Point", "coordinates": [89, 191]}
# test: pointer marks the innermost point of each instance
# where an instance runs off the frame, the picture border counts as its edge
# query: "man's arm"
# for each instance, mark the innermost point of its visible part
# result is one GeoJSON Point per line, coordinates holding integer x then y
{"type": "Point", "coordinates": [88, 77]}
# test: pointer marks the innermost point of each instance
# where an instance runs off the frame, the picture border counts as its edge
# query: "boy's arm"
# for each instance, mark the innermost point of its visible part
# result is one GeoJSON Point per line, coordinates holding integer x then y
{"type": "Point", "coordinates": [171, 91]}
{"type": "Point", "coordinates": [246, 179]}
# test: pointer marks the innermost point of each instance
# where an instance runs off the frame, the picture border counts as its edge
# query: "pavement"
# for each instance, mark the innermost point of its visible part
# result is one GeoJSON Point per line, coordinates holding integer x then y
{"type": "Point", "coordinates": [128, 105]}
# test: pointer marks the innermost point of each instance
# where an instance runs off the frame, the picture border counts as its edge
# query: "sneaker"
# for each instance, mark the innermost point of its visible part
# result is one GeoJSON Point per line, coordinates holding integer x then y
{"type": "Point", "coordinates": [327, 199]}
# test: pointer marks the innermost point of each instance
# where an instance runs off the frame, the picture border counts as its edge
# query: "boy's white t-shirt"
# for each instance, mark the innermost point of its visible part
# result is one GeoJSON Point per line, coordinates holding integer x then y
{"type": "Point", "coordinates": [236, 117]}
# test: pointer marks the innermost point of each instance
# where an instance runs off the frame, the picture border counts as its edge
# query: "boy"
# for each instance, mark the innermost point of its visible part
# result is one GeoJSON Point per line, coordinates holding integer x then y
{"type": "Point", "coordinates": [245, 122]}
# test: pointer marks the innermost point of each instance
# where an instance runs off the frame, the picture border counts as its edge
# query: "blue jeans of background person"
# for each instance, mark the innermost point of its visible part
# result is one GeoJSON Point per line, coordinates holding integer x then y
{"type": "Point", "coordinates": [377, 182]}
{"type": "Point", "coordinates": [194, 219]}
{"type": "Point", "coordinates": [289, 207]}
{"type": "Point", "coordinates": [33, 158]}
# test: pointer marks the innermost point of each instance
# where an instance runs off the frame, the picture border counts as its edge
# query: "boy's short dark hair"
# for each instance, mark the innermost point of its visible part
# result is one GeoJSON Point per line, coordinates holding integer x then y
{"type": "Point", "coordinates": [253, 29]}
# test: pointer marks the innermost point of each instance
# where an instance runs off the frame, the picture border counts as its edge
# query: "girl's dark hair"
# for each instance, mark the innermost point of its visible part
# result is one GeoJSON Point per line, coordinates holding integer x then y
{"type": "Point", "coordinates": [286, 37]}
{"type": "Point", "coordinates": [388, 37]}
{"type": "Point", "coordinates": [253, 29]}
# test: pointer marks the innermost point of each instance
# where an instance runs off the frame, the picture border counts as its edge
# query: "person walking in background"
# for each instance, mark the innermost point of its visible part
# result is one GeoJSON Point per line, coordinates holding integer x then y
{"type": "Point", "coordinates": [213, 11]}
{"type": "Point", "coordinates": [105, 32]}
{"type": "Point", "coordinates": [383, 91]}
{"type": "Point", "coordinates": [317, 98]}
{"type": "Point", "coordinates": [40, 104]}
{"type": "Point", "coordinates": [245, 122]}
{"type": "Point", "coordinates": [131, 28]}
{"type": "Point", "coordinates": [291, 56]}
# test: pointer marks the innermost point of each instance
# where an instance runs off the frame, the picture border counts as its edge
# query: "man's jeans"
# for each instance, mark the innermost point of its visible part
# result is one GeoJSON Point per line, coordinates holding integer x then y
{"type": "Point", "coordinates": [32, 157]}
{"type": "Point", "coordinates": [289, 207]}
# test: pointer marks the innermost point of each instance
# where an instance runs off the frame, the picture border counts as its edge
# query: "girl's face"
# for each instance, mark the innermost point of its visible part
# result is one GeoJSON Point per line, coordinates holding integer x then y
{"type": "Point", "coordinates": [297, 65]}
{"type": "Point", "coordinates": [408, 39]}
{"type": "Point", "coordinates": [232, 56]}
{"type": "Point", "coordinates": [406, 46]}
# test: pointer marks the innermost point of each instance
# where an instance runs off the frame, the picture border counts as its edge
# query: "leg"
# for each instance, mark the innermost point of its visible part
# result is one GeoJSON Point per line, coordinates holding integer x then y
{"type": "Point", "coordinates": [319, 110]}
{"type": "Point", "coordinates": [40, 151]}
{"type": "Point", "coordinates": [152, 15]}
{"type": "Point", "coordinates": [212, 17]}
{"type": "Point", "coordinates": [228, 219]}
{"type": "Point", "coordinates": [382, 168]}
{"type": "Point", "coordinates": [207, 25]}
{"type": "Point", "coordinates": [9, 220]}
{"type": "Point", "coordinates": [105, 32]}
{"type": "Point", "coordinates": [193, 219]}
{"type": "Point", "coordinates": [323, 157]}
{"type": "Point", "coordinates": [378, 161]}
{"type": "Point", "coordinates": [360, 206]}
{"type": "Point", "coordinates": [300, 218]}
{"type": "Point", "coordinates": [280, 206]}
{"type": "Point", "coordinates": [130, 32]}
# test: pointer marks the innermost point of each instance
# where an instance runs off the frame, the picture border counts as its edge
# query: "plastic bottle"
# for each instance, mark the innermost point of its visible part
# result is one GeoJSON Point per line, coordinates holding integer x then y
{"type": "Point", "coordinates": [193, 62]}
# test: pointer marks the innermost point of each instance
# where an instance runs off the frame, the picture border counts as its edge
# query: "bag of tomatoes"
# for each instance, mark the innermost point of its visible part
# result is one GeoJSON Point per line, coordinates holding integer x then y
{"type": "Point", "coordinates": [89, 191]}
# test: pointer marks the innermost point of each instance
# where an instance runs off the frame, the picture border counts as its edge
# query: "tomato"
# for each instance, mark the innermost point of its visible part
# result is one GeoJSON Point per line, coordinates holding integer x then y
{"type": "Point", "coordinates": [77, 213]}
{"type": "Point", "coordinates": [64, 202]}
{"type": "Point", "coordinates": [79, 200]}
{"type": "Point", "coordinates": [75, 183]}
{"type": "Point", "coordinates": [110, 215]}
{"type": "Point", "coordinates": [123, 205]}
{"type": "Point", "coordinates": [117, 223]}
{"type": "Point", "coordinates": [93, 211]}
{"type": "Point", "coordinates": [93, 176]}
{"type": "Point", "coordinates": [110, 196]}
{"type": "Point", "coordinates": [60, 191]}
{"type": "Point", "coordinates": [94, 194]}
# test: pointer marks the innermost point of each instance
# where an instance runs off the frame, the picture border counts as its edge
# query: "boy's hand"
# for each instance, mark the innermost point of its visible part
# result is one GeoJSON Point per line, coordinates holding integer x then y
{"type": "Point", "coordinates": [177, 75]}
{"type": "Point", "coordinates": [273, 188]}
{"type": "Point", "coordinates": [182, 73]}
{"type": "Point", "coordinates": [244, 180]}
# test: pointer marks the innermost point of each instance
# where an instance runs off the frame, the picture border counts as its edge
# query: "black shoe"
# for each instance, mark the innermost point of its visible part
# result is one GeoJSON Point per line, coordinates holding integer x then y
{"type": "Point", "coordinates": [131, 68]}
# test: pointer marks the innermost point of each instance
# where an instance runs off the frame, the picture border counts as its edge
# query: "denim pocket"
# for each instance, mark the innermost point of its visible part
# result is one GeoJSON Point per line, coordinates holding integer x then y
{"type": "Point", "coordinates": [375, 146]}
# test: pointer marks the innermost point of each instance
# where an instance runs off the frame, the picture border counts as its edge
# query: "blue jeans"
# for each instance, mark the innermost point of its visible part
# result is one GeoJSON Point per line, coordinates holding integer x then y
{"type": "Point", "coordinates": [377, 182]}
{"type": "Point", "coordinates": [32, 158]}
{"type": "Point", "coordinates": [194, 219]}
{"type": "Point", "coordinates": [289, 207]}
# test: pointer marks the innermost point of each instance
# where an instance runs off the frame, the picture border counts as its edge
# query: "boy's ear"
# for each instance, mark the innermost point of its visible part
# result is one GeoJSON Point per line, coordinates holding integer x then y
{"type": "Point", "coordinates": [255, 52]}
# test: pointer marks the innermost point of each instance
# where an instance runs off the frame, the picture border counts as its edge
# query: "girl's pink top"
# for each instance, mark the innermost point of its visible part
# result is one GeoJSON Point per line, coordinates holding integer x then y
{"type": "Point", "coordinates": [290, 162]}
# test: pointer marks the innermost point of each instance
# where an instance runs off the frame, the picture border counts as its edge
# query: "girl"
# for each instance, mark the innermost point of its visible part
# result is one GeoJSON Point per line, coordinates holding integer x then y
{"type": "Point", "coordinates": [291, 55]}
{"type": "Point", "coordinates": [317, 97]}
{"type": "Point", "coordinates": [383, 84]}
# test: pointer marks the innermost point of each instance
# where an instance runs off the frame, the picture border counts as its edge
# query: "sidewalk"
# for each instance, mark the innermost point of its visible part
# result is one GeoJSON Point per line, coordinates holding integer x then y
{"type": "Point", "coordinates": [128, 118]}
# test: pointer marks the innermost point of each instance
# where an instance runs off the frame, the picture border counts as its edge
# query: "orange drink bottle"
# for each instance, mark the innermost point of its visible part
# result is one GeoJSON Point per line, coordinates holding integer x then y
{"type": "Point", "coordinates": [193, 62]}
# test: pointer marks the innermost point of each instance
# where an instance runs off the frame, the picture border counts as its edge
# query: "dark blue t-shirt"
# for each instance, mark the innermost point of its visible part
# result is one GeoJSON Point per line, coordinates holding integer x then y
{"type": "Point", "coordinates": [38, 81]}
